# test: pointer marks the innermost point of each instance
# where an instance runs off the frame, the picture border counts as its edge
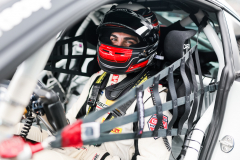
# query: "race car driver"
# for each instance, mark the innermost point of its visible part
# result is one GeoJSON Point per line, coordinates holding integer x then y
{"type": "Point", "coordinates": [128, 40]}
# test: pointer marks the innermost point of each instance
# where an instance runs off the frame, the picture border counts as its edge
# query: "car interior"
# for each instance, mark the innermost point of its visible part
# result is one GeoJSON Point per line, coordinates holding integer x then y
{"type": "Point", "coordinates": [74, 56]}
{"type": "Point", "coordinates": [73, 59]}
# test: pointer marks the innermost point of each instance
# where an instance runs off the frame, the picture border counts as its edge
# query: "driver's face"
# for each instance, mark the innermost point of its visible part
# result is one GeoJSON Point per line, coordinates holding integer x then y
{"type": "Point", "coordinates": [123, 39]}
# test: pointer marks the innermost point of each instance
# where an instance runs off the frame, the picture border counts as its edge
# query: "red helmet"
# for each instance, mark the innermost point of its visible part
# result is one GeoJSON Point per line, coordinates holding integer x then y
{"type": "Point", "coordinates": [135, 20]}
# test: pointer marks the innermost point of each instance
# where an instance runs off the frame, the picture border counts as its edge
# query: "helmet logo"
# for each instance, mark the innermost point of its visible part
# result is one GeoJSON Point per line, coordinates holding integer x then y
{"type": "Point", "coordinates": [186, 46]}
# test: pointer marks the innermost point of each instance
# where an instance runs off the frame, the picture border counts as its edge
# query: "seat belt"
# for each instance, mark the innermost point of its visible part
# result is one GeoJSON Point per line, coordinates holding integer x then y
{"type": "Point", "coordinates": [120, 111]}
{"type": "Point", "coordinates": [100, 79]}
{"type": "Point", "coordinates": [99, 84]}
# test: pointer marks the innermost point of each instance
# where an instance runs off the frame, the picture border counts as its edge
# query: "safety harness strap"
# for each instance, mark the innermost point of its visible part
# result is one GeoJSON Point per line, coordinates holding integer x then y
{"type": "Point", "coordinates": [140, 111]}
{"type": "Point", "coordinates": [187, 96]}
{"type": "Point", "coordinates": [173, 94]}
{"type": "Point", "coordinates": [120, 111]}
{"type": "Point", "coordinates": [108, 125]}
{"type": "Point", "coordinates": [98, 84]}
{"type": "Point", "coordinates": [195, 90]}
{"type": "Point", "coordinates": [115, 137]}
{"type": "Point", "coordinates": [157, 102]}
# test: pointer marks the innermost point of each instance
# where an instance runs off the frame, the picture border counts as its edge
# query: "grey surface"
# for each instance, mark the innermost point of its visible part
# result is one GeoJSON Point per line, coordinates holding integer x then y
{"type": "Point", "coordinates": [28, 36]}
{"type": "Point", "coordinates": [177, 143]}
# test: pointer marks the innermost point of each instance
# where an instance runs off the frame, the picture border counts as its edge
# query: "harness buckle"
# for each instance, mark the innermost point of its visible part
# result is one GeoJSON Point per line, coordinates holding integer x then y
{"type": "Point", "coordinates": [212, 87]}
{"type": "Point", "coordinates": [92, 100]}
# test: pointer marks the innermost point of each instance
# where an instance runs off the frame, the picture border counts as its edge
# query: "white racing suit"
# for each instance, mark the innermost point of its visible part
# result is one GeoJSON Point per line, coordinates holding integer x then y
{"type": "Point", "coordinates": [149, 148]}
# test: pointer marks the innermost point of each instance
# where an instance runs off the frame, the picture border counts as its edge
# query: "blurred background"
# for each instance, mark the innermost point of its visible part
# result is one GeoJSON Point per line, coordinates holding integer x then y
{"type": "Point", "coordinates": [235, 4]}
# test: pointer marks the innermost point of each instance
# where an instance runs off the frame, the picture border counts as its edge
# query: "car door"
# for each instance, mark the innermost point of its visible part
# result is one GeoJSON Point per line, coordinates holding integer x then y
{"type": "Point", "coordinates": [227, 143]}
{"type": "Point", "coordinates": [223, 133]}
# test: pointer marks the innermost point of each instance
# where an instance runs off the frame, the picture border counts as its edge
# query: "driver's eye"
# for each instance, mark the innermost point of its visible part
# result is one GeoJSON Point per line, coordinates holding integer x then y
{"type": "Point", "coordinates": [113, 39]}
{"type": "Point", "coordinates": [130, 42]}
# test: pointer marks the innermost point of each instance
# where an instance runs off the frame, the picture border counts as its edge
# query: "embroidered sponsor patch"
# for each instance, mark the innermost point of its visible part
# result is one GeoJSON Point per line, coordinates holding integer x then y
{"type": "Point", "coordinates": [115, 78]}
{"type": "Point", "coordinates": [116, 130]}
{"type": "Point", "coordinates": [148, 89]}
{"type": "Point", "coordinates": [109, 102]}
{"type": "Point", "coordinates": [153, 121]}
{"type": "Point", "coordinates": [100, 105]}
{"type": "Point", "coordinates": [103, 119]}
{"type": "Point", "coordinates": [95, 156]}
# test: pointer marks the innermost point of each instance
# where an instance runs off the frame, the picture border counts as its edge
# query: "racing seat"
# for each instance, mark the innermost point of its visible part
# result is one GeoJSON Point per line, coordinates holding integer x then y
{"type": "Point", "coordinates": [176, 44]}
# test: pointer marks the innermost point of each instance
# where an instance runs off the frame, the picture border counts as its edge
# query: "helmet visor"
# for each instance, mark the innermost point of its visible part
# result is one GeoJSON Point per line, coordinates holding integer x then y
{"type": "Point", "coordinates": [110, 34]}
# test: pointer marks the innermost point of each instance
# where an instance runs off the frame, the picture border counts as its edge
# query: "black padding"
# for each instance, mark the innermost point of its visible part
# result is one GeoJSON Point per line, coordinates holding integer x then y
{"type": "Point", "coordinates": [93, 67]}
{"type": "Point", "coordinates": [58, 115]}
{"type": "Point", "coordinates": [91, 35]}
{"type": "Point", "coordinates": [104, 156]}
{"type": "Point", "coordinates": [174, 43]}
{"type": "Point", "coordinates": [164, 31]}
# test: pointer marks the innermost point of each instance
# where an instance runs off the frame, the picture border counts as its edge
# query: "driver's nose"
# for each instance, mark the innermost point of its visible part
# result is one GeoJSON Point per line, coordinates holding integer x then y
{"type": "Point", "coordinates": [119, 43]}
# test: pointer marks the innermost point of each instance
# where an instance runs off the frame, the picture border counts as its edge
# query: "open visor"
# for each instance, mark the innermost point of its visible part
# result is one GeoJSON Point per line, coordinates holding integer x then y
{"type": "Point", "coordinates": [106, 32]}
{"type": "Point", "coordinates": [124, 18]}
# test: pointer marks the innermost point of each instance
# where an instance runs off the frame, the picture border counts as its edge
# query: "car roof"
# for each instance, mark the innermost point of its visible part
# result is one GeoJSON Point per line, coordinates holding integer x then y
{"type": "Point", "coordinates": [26, 32]}
{"type": "Point", "coordinates": [224, 5]}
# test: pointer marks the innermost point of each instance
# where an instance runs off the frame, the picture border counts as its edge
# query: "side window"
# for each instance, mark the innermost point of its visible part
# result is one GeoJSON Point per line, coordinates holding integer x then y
{"type": "Point", "coordinates": [234, 34]}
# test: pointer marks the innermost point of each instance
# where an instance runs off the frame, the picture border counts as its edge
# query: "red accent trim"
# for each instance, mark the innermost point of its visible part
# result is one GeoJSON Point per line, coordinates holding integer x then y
{"type": "Point", "coordinates": [137, 66]}
{"type": "Point", "coordinates": [97, 59]}
{"type": "Point", "coordinates": [10, 148]}
{"type": "Point", "coordinates": [114, 25]}
{"type": "Point", "coordinates": [115, 78]}
{"type": "Point", "coordinates": [147, 15]}
{"type": "Point", "coordinates": [71, 135]}
{"type": "Point", "coordinates": [154, 20]}
{"type": "Point", "coordinates": [35, 147]}
{"type": "Point", "coordinates": [114, 54]}
{"type": "Point", "coordinates": [155, 24]}
{"type": "Point", "coordinates": [99, 107]}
